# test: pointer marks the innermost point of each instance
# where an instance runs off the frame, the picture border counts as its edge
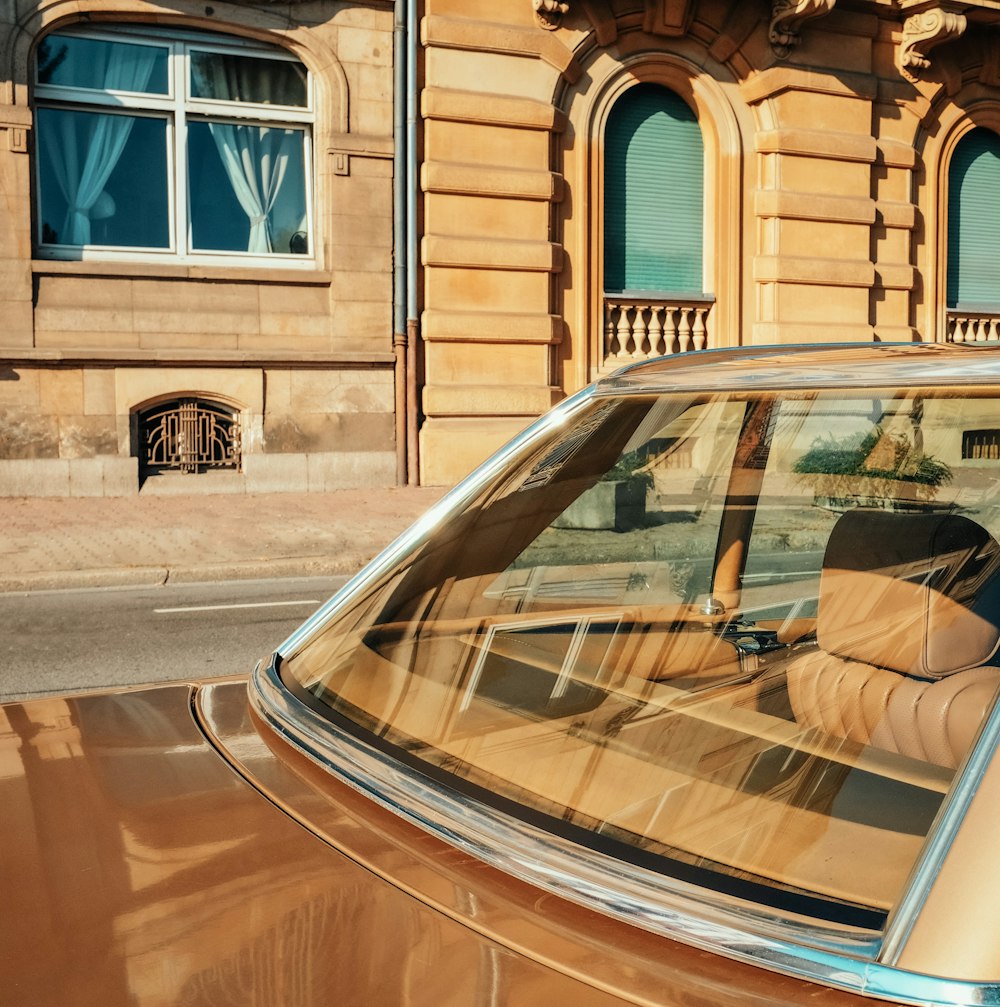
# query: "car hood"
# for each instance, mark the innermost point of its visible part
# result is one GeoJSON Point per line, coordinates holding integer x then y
{"type": "Point", "coordinates": [159, 847]}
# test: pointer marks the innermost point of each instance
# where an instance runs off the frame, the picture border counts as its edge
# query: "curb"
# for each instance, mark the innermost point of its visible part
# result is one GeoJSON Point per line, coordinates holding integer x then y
{"type": "Point", "coordinates": [159, 576]}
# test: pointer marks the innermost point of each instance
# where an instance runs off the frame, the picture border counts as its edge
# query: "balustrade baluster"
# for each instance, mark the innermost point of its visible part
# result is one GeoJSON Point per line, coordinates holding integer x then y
{"type": "Point", "coordinates": [642, 330]}
{"type": "Point", "coordinates": [684, 331]}
{"type": "Point", "coordinates": [624, 333]}
{"type": "Point", "coordinates": [656, 330]}
{"type": "Point", "coordinates": [610, 342]}
{"type": "Point", "coordinates": [700, 333]}
{"type": "Point", "coordinates": [669, 329]}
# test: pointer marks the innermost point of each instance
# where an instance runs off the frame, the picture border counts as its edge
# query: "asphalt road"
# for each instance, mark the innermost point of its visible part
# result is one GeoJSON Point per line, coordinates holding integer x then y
{"type": "Point", "coordinates": [70, 641]}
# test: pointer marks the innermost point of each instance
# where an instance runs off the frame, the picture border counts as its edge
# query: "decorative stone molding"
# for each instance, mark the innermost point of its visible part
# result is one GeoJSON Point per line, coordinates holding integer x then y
{"type": "Point", "coordinates": [787, 19]}
{"type": "Point", "coordinates": [477, 36]}
{"type": "Point", "coordinates": [17, 121]}
{"type": "Point", "coordinates": [452, 105]}
{"type": "Point", "coordinates": [668, 17]}
{"type": "Point", "coordinates": [548, 13]}
{"type": "Point", "coordinates": [601, 15]}
{"type": "Point", "coordinates": [990, 72]}
{"type": "Point", "coordinates": [922, 32]}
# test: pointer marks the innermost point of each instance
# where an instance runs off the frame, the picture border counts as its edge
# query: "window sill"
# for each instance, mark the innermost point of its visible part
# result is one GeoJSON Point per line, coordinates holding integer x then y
{"type": "Point", "coordinates": [19, 356]}
{"type": "Point", "coordinates": [182, 271]}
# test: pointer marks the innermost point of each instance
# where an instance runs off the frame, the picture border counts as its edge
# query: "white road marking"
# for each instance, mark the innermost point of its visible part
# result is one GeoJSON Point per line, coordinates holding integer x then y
{"type": "Point", "coordinates": [248, 604]}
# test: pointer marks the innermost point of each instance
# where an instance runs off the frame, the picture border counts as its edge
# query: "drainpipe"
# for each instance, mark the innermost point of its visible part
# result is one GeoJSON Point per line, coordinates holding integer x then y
{"type": "Point", "coordinates": [400, 245]}
{"type": "Point", "coordinates": [412, 251]}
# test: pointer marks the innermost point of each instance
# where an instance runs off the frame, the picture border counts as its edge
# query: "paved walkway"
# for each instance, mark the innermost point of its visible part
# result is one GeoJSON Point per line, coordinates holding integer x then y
{"type": "Point", "coordinates": [51, 543]}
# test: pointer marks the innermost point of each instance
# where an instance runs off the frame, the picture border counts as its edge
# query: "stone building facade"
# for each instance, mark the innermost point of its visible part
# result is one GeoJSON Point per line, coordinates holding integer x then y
{"type": "Point", "coordinates": [197, 275]}
{"type": "Point", "coordinates": [590, 182]}
{"type": "Point", "coordinates": [829, 131]}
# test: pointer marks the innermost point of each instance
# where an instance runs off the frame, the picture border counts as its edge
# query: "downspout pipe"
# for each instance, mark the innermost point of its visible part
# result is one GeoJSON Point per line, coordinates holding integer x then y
{"type": "Point", "coordinates": [412, 251]}
{"type": "Point", "coordinates": [400, 245]}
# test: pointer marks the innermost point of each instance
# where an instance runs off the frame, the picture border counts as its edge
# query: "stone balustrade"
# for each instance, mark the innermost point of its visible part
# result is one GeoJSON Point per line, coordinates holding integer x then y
{"type": "Point", "coordinates": [640, 328]}
{"type": "Point", "coordinates": [973, 327]}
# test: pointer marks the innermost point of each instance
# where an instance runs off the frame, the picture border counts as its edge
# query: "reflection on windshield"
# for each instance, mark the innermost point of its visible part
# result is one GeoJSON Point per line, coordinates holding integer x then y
{"type": "Point", "coordinates": [746, 640]}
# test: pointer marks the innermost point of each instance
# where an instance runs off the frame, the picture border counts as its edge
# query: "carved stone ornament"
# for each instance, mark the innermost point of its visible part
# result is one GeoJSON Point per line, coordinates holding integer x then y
{"type": "Point", "coordinates": [787, 18]}
{"type": "Point", "coordinates": [921, 33]}
{"type": "Point", "coordinates": [548, 13]}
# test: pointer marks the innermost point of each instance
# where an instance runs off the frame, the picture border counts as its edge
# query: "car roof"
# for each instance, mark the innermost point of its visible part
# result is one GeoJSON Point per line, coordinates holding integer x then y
{"type": "Point", "coordinates": [832, 365]}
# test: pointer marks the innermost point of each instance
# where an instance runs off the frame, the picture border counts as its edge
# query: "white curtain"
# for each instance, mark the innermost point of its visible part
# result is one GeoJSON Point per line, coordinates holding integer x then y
{"type": "Point", "coordinates": [256, 160]}
{"type": "Point", "coordinates": [84, 147]}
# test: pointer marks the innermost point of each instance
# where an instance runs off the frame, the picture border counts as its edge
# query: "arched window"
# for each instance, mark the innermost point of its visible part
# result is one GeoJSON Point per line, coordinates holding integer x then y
{"type": "Point", "coordinates": [653, 194]}
{"type": "Point", "coordinates": [157, 144]}
{"type": "Point", "coordinates": [973, 221]}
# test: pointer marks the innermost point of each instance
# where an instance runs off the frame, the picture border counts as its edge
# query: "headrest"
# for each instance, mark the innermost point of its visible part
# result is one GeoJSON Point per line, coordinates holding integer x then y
{"type": "Point", "coordinates": [915, 593]}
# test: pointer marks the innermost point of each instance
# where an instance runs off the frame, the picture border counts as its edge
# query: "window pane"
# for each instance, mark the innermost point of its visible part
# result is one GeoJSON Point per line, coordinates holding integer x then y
{"type": "Point", "coordinates": [225, 77]}
{"type": "Point", "coordinates": [97, 65]}
{"type": "Point", "coordinates": [102, 179]}
{"type": "Point", "coordinates": [653, 194]}
{"type": "Point", "coordinates": [247, 188]}
{"type": "Point", "coordinates": [973, 228]}
{"type": "Point", "coordinates": [664, 497]}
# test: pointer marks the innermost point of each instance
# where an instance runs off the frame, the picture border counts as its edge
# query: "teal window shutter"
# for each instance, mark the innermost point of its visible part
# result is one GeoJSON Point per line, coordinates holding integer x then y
{"type": "Point", "coordinates": [974, 221]}
{"type": "Point", "coordinates": [653, 194]}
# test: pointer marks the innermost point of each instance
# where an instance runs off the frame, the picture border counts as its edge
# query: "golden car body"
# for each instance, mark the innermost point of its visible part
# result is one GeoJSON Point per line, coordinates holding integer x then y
{"type": "Point", "coordinates": [686, 696]}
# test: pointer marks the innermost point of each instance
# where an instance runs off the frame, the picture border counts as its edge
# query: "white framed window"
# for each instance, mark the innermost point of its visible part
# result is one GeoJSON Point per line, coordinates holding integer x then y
{"type": "Point", "coordinates": [172, 147]}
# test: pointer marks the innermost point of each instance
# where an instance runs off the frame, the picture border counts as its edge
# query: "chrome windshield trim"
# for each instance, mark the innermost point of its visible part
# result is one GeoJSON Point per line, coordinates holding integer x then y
{"type": "Point", "coordinates": [942, 834]}
{"type": "Point", "coordinates": [634, 895]}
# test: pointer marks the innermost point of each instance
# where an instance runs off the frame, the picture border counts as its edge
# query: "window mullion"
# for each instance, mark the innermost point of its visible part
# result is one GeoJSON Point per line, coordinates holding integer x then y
{"type": "Point", "coordinates": [83, 97]}
{"type": "Point", "coordinates": [263, 114]}
{"type": "Point", "coordinates": [179, 179]}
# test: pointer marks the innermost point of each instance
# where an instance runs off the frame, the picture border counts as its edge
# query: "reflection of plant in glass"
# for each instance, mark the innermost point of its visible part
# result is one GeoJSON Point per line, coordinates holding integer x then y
{"type": "Point", "coordinates": [630, 466]}
{"type": "Point", "coordinates": [49, 61]}
{"type": "Point", "coordinates": [883, 460]}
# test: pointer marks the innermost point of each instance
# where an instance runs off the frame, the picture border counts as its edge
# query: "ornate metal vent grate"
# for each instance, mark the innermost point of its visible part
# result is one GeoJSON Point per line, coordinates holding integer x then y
{"type": "Point", "coordinates": [189, 435]}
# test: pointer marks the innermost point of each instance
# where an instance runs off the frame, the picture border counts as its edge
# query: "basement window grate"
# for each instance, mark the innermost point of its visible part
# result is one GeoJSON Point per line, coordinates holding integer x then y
{"type": "Point", "coordinates": [189, 435]}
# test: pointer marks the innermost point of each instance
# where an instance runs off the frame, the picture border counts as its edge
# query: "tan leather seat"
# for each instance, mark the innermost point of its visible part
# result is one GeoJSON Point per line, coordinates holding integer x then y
{"type": "Point", "coordinates": [907, 630]}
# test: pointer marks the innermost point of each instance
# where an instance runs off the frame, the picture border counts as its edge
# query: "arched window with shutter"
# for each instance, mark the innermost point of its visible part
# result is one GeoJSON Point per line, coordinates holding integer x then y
{"type": "Point", "coordinates": [653, 194]}
{"type": "Point", "coordinates": [973, 222]}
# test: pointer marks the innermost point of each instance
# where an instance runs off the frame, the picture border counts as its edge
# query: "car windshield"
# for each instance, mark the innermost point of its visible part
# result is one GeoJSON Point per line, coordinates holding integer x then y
{"type": "Point", "coordinates": [745, 640]}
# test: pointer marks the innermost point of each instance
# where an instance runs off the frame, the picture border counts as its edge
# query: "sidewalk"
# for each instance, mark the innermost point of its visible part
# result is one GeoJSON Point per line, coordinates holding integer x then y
{"type": "Point", "coordinates": [54, 542]}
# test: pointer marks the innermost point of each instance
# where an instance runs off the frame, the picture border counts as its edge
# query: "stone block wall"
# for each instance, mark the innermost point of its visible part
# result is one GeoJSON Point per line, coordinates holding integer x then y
{"type": "Point", "coordinates": [304, 355]}
{"type": "Point", "coordinates": [827, 131]}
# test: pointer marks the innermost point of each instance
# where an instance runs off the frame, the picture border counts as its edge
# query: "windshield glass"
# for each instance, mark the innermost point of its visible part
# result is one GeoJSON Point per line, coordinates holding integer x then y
{"type": "Point", "coordinates": [745, 640]}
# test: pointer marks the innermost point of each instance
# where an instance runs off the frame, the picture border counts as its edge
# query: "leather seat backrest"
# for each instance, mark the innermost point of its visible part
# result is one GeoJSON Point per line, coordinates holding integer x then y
{"type": "Point", "coordinates": [908, 622]}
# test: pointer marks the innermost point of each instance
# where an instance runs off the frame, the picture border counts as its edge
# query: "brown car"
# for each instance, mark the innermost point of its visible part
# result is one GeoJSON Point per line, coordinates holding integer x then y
{"type": "Point", "coordinates": [685, 697]}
